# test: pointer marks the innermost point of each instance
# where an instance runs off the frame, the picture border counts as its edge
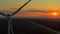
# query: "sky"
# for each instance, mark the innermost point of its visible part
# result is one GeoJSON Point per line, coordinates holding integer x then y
{"type": "Point", "coordinates": [33, 5]}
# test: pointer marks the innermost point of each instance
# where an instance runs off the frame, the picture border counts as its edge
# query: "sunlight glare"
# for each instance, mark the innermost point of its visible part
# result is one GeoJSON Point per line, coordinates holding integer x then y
{"type": "Point", "coordinates": [54, 13]}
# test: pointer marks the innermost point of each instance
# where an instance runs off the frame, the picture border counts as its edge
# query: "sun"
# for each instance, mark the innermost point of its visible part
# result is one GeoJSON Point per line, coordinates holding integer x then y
{"type": "Point", "coordinates": [54, 13]}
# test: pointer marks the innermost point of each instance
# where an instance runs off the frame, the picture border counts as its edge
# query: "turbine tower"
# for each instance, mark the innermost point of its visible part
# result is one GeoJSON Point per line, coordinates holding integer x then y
{"type": "Point", "coordinates": [8, 16]}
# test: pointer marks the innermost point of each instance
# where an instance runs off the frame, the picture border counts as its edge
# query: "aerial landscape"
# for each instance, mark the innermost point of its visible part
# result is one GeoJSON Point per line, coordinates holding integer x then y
{"type": "Point", "coordinates": [29, 17]}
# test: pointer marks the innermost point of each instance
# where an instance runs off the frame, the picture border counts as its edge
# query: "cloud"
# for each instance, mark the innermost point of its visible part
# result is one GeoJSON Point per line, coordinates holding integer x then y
{"type": "Point", "coordinates": [35, 10]}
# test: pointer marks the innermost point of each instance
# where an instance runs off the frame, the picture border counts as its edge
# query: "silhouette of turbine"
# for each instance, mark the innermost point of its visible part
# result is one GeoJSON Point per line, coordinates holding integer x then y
{"type": "Point", "coordinates": [10, 27]}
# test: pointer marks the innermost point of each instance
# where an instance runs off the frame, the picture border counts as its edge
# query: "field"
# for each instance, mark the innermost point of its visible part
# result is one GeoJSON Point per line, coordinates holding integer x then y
{"type": "Point", "coordinates": [22, 26]}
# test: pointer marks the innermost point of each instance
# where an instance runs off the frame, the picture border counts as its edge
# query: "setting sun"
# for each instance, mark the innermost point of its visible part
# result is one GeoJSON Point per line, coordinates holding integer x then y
{"type": "Point", "coordinates": [54, 13]}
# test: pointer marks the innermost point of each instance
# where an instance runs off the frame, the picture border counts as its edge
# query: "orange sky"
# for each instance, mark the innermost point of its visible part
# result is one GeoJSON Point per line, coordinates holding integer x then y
{"type": "Point", "coordinates": [33, 5]}
{"type": "Point", "coordinates": [38, 15]}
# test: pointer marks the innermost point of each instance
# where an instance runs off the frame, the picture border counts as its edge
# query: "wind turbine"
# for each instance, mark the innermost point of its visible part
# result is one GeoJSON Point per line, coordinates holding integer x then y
{"type": "Point", "coordinates": [8, 16]}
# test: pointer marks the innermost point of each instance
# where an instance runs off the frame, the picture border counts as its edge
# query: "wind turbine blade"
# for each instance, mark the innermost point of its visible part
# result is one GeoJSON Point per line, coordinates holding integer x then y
{"type": "Point", "coordinates": [20, 8]}
{"type": "Point", "coordinates": [2, 14]}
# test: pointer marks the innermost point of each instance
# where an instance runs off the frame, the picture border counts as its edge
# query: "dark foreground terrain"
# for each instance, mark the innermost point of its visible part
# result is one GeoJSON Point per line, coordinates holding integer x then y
{"type": "Point", "coordinates": [22, 26]}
